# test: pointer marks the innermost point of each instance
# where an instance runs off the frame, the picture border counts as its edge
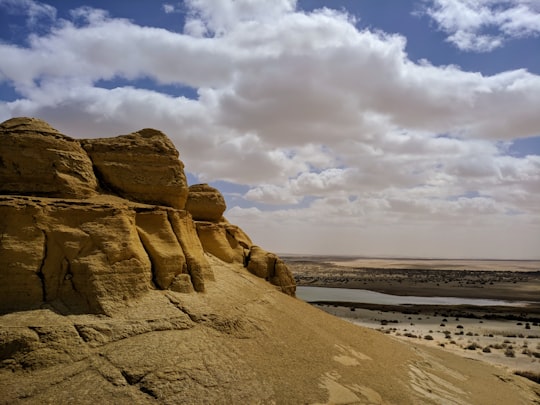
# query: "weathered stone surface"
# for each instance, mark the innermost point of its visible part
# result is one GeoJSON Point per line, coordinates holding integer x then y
{"type": "Point", "coordinates": [162, 246]}
{"type": "Point", "coordinates": [22, 247]}
{"type": "Point", "coordinates": [270, 267]}
{"type": "Point", "coordinates": [198, 266]}
{"type": "Point", "coordinates": [91, 256]}
{"type": "Point", "coordinates": [216, 240]}
{"type": "Point", "coordinates": [205, 203]}
{"type": "Point", "coordinates": [231, 244]}
{"type": "Point", "coordinates": [142, 166]}
{"type": "Point", "coordinates": [35, 159]}
{"type": "Point", "coordinates": [237, 236]}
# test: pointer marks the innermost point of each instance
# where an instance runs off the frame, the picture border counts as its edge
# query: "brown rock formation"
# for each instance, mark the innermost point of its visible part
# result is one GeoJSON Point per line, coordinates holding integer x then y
{"type": "Point", "coordinates": [205, 203]}
{"type": "Point", "coordinates": [142, 166]}
{"type": "Point", "coordinates": [270, 267]}
{"type": "Point", "coordinates": [90, 256]}
{"type": "Point", "coordinates": [36, 159]}
{"type": "Point", "coordinates": [217, 241]}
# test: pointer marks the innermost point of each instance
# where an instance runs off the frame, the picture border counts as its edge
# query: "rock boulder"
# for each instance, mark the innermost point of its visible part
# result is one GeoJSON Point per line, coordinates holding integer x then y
{"type": "Point", "coordinates": [270, 267]}
{"type": "Point", "coordinates": [142, 166]}
{"type": "Point", "coordinates": [36, 159]}
{"type": "Point", "coordinates": [205, 203]}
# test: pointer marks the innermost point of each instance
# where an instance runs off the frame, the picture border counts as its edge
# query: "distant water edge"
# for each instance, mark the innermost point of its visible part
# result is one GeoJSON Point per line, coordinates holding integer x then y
{"type": "Point", "coordinates": [323, 294]}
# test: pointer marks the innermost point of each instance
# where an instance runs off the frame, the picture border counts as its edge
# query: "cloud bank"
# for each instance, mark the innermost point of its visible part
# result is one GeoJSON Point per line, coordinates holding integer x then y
{"type": "Point", "coordinates": [332, 128]}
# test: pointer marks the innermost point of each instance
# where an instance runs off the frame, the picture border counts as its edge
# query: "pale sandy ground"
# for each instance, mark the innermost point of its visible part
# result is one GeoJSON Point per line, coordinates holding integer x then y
{"type": "Point", "coordinates": [497, 335]}
{"type": "Point", "coordinates": [442, 264]}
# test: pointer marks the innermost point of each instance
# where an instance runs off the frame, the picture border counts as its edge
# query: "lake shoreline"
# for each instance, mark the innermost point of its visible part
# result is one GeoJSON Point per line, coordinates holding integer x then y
{"type": "Point", "coordinates": [409, 278]}
{"type": "Point", "coordinates": [527, 314]}
{"type": "Point", "coordinates": [505, 336]}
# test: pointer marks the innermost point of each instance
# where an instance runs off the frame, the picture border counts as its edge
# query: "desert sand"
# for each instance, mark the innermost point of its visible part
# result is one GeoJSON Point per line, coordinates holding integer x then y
{"type": "Point", "coordinates": [507, 337]}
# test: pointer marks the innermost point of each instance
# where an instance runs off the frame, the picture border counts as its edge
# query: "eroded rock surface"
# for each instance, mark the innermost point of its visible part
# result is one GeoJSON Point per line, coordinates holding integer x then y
{"type": "Point", "coordinates": [270, 267]}
{"type": "Point", "coordinates": [91, 257]}
{"type": "Point", "coordinates": [36, 159]}
{"type": "Point", "coordinates": [205, 203]}
{"type": "Point", "coordinates": [142, 166]}
{"type": "Point", "coordinates": [88, 251]}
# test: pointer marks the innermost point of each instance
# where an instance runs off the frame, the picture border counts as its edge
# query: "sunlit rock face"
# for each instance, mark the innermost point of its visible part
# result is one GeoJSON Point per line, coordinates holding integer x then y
{"type": "Point", "coordinates": [36, 159]}
{"type": "Point", "coordinates": [142, 166]}
{"type": "Point", "coordinates": [229, 243]}
{"type": "Point", "coordinates": [87, 225]}
{"type": "Point", "coordinates": [205, 203]}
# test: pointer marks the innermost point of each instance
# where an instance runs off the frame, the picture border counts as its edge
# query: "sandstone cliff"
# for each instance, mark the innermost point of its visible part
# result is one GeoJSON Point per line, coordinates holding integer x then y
{"type": "Point", "coordinates": [119, 284]}
{"type": "Point", "coordinates": [117, 226]}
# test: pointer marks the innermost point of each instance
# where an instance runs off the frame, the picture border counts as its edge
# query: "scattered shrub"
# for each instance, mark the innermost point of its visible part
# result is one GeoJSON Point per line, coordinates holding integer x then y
{"type": "Point", "coordinates": [486, 349]}
{"type": "Point", "coordinates": [428, 337]}
{"type": "Point", "coordinates": [459, 326]}
{"type": "Point", "coordinates": [509, 352]}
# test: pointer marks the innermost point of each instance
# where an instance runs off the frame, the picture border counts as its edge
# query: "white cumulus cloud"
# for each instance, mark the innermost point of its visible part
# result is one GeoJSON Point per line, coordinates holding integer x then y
{"type": "Point", "coordinates": [483, 25]}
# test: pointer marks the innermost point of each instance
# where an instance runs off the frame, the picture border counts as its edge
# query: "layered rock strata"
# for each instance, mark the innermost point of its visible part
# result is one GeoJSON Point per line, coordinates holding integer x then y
{"type": "Point", "coordinates": [142, 166]}
{"type": "Point", "coordinates": [35, 159]}
{"type": "Point", "coordinates": [86, 225]}
{"type": "Point", "coordinates": [230, 243]}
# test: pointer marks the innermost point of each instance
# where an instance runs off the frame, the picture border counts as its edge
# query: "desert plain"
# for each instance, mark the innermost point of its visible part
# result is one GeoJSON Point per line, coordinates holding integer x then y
{"type": "Point", "coordinates": [507, 335]}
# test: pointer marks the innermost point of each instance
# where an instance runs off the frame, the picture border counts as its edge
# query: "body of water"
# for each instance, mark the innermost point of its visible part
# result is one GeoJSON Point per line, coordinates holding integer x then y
{"type": "Point", "coordinates": [320, 294]}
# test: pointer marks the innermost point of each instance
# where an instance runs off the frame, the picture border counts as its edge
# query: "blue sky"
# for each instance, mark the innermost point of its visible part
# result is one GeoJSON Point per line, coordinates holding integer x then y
{"type": "Point", "coordinates": [377, 128]}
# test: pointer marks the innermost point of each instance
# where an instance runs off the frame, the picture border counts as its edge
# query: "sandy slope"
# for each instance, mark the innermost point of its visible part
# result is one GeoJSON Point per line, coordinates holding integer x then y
{"type": "Point", "coordinates": [241, 342]}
